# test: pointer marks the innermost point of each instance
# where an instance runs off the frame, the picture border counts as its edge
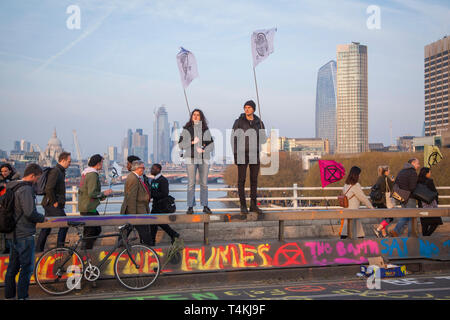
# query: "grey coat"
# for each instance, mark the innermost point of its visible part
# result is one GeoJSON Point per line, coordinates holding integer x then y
{"type": "Point", "coordinates": [25, 205]}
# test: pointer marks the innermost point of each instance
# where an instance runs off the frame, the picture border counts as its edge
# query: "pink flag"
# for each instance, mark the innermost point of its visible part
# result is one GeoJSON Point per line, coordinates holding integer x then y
{"type": "Point", "coordinates": [330, 171]}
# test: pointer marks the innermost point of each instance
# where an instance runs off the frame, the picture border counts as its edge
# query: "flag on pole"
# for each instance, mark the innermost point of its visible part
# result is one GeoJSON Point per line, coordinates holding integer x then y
{"type": "Point", "coordinates": [262, 44]}
{"type": "Point", "coordinates": [330, 171]}
{"type": "Point", "coordinates": [187, 66]}
{"type": "Point", "coordinates": [432, 155]}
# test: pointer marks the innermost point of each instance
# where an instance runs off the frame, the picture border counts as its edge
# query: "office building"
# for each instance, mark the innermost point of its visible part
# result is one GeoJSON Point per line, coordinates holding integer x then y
{"type": "Point", "coordinates": [326, 104]}
{"type": "Point", "coordinates": [161, 136]}
{"type": "Point", "coordinates": [112, 153]}
{"type": "Point", "coordinates": [437, 76]}
{"type": "Point", "coordinates": [352, 132]}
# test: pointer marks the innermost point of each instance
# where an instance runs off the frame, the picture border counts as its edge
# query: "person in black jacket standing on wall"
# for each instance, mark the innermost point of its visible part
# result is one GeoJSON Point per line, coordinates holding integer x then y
{"type": "Point", "coordinates": [55, 199]}
{"type": "Point", "coordinates": [247, 137]}
{"type": "Point", "coordinates": [159, 193]}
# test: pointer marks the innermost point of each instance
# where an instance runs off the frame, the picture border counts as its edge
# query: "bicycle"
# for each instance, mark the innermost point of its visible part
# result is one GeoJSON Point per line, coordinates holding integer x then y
{"type": "Point", "coordinates": [60, 270]}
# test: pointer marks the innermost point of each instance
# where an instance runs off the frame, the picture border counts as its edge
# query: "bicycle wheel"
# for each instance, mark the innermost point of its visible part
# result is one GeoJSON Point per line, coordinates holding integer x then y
{"type": "Point", "coordinates": [137, 268]}
{"type": "Point", "coordinates": [59, 271]}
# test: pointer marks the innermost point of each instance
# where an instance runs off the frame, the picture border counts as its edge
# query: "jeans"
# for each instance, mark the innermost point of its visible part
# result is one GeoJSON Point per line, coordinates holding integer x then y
{"type": "Point", "coordinates": [405, 221]}
{"type": "Point", "coordinates": [21, 258]}
{"type": "Point", "coordinates": [51, 211]}
{"type": "Point", "coordinates": [242, 172]}
{"type": "Point", "coordinates": [202, 169]}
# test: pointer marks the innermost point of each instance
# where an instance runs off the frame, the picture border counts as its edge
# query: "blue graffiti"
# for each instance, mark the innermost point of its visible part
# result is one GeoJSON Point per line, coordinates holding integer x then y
{"type": "Point", "coordinates": [428, 249]}
{"type": "Point", "coordinates": [389, 248]}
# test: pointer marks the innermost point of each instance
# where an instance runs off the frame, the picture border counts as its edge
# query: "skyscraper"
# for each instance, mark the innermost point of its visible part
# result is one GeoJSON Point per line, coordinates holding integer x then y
{"type": "Point", "coordinates": [352, 132]}
{"type": "Point", "coordinates": [437, 76]}
{"type": "Point", "coordinates": [112, 153]}
{"type": "Point", "coordinates": [326, 104]}
{"type": "Point", "coordinates": [161, 136]}
{"type": "Point", "coordinates": [139, 146]}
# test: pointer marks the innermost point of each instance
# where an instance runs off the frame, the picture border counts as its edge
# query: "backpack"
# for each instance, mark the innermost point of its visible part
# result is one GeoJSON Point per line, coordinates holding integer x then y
{"type": "Point", "coordinates": [375, 193]}
{"type": "Point", "coordinates": [7, 222]}
{"type": "Point", "coordinates": [343, 199]}
{"type": "Point", "coordinates": [167, 205]}
{"type": "Point", "coordinates": [41, 183]}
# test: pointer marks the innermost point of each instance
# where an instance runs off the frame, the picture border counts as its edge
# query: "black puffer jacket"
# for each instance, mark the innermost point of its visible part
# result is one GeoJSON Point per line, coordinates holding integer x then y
{"type": "Point", "coordinates": [247, 147]}
{"type": "Point", "coordinates": [407, 178]}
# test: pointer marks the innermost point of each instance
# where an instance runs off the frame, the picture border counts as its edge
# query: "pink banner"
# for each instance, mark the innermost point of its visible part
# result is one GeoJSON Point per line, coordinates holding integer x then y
{"type": "Point", "coordinates": [330, 171]}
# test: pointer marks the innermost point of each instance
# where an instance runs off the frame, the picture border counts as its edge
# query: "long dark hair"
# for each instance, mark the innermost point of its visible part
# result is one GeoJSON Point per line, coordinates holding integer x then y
{"type": "Point", "coordinates": [190, 123]}
{"type": "Point", "coordinates": [423, 175]}
{"type": "Point", "coordinates": [353, 176]}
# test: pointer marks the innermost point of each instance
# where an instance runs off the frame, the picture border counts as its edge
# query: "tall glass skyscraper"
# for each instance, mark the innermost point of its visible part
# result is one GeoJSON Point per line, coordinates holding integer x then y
{"type": "Point", "coordinates": [326, 104]}
{"type": "Point", "coordinates": [161, 136]}
{"type": "Point", "coordinates": [352, 111]}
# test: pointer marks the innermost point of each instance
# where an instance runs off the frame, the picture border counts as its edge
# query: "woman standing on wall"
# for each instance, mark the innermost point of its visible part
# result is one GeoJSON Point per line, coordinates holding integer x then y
{"type": "Point", "coordinates": [352, 189]}
{"type": "Point", "coordinates": [197, 143]}
{"type": "Point", "coordinates": [385, 184]}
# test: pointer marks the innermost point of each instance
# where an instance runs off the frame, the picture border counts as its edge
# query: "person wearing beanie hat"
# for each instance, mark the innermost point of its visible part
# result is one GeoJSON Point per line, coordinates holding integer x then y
{"type": "Point", "coordinates": [90, 195]}
{"type": "Point", "coordinates": [248, 135]}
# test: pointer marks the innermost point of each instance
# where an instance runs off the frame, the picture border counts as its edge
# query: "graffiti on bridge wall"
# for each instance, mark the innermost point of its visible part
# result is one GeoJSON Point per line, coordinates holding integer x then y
{"type": "Point", "coordinates": [279, 254]}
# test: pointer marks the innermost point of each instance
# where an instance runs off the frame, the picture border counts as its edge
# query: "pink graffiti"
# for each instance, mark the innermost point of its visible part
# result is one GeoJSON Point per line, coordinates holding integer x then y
{"type": "Point", "coordinates": [351, 261]}
{"type": "Point", "coordinates": [366, 247]}
{"type": "Point", "coordinates": [319, 248]}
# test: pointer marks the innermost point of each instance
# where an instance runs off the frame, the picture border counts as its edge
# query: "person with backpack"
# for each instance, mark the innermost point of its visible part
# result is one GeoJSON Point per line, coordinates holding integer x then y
{"type": "Point", "coordinates": [430, 224]}
{"type": "Point", "coordinates": [7, 174]}
{"type": "Point", "coordinates": [352, 189]}
{"type": "Point", "coordinates": [160, 196]}
{"type": "Point", "coordinates": [384, 185]}
{"type": "Point", "coordinates": [21, 237]}
{"type": "Point", "coordinates": [89, 197]}
{"type": "Point", "coordinates": [137, 199]}
{"type": "Point", "coordinates": [405, 184]}
{"type": "Point", "coordinates": [54, 200]}
{"type": "Point", "coordinates": [198, 144]}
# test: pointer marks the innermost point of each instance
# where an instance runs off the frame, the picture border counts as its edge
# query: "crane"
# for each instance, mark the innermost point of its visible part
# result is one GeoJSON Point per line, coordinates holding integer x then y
{"type": "Point", "coordinates": [77, 147]}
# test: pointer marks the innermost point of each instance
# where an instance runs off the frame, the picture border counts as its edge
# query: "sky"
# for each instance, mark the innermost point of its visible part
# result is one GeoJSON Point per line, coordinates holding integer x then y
{"type": "Point", "coordinates": [112, 72]}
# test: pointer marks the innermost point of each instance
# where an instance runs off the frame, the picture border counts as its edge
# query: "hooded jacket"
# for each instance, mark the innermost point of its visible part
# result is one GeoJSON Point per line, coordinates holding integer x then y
{"type": "Point", "coordinates": [243, 141]}
{"type": "Point", "coordinates": [25, 208]}
{"type": "Point", "coordinates": [13, 176]}
{"type": "Point", "coordinates": [90, 193]}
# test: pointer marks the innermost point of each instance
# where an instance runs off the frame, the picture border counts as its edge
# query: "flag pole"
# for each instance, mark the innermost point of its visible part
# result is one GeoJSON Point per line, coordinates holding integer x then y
{"type": "Point", "coordinates": [257, 94]}
{"type": "Point", "coordinates": [187, 103]}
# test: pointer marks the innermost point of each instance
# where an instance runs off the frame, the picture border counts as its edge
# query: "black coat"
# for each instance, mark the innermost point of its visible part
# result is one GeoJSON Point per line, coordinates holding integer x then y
{"type": "Point", "coordinates": [55, 189]}
{"type": "Point", "coordinates": [432, 220]}
{"type": "Point", "coordinates": [248, 146]}
{"type": "Point", "coordinates": [407, 178]}
{"type": "Point", "coordinates": [159, 190]}
{"type": "Point", "coordinates": [381, 182]}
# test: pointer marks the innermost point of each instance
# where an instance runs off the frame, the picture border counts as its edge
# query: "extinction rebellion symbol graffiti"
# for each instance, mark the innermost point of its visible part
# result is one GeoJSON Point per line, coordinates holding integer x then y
{"type": "Point", "coordinates": [332, 173]}
{"type": "Point", "coordinates": [434, 158]}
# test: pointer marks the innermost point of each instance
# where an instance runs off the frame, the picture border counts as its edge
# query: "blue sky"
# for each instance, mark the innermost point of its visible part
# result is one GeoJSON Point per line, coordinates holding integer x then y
{"type": "Point", "coordinates": [112, 73]}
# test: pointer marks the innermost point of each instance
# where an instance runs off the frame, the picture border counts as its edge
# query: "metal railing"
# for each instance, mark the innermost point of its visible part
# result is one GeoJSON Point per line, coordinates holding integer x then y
{"type": "Point", "coordinates": [294, 199]}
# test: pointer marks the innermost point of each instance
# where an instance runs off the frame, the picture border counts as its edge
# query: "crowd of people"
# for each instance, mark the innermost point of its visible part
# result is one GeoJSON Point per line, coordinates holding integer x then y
{"type": "Point", "coordinates": [139, 191]}
{"type": "Point", "coordinates": [402, 189]}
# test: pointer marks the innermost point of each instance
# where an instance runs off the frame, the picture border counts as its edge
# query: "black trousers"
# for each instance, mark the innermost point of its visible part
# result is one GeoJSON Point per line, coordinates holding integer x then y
{"type": "Point", "coordinates": [90, 232]}
{"type": "Point", "coordinates": [145, 234]}
{"type": "Point", "coordinates": [428, 229]}
{"type": "Point", "coordinates": [51, 211]}
{"type": "Point", "coordinates": [242, 173]}
{"type": "Point", "coordinates": [167, 229]}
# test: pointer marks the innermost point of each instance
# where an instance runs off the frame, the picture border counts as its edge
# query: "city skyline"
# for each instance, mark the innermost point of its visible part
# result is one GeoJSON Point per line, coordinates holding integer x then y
{"type": "Point", "coordinates": [106, 76]}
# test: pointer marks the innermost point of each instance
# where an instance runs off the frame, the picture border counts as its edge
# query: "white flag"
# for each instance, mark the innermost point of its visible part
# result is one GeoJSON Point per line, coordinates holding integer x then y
{"type": "Point", "coordinates": [262, 44]}
{"type": "Point", "coordinates": [187, 66]}
{"type": "Point", "coordinates": [116, 170]}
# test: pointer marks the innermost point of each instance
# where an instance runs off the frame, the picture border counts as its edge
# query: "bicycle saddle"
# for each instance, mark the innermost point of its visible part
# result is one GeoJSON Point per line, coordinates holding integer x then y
{"type": "Point", "coordinates": [75, 223]}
